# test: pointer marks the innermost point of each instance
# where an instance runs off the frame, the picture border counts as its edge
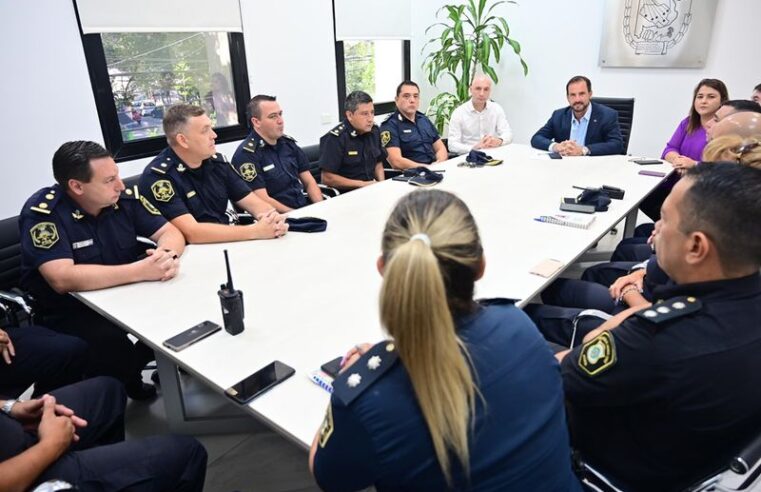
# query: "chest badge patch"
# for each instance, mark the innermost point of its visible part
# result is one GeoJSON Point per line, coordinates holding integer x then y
{"type": "Point", "coordinates": [162, 190]}
{"type": "Point", "coordinates": [327, 427]}
{"type": "Point", "coordinates": [248, 171]}
{"type": "Point", "coordinates": [598, 354]}
{"type": "Point", "coordinates": [385, 137]}
{"type": "Point", "coordinates": [44, 235]}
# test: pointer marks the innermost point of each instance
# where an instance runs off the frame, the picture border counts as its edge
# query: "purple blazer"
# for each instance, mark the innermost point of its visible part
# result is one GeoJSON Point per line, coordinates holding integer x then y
{"type": "Point", "coordinates": [687, 144]}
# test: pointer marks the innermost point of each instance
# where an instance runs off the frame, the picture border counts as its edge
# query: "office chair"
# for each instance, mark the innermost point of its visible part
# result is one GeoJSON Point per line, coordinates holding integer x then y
{"type": "Point", "coordinates": [743, 474]}
{"type": "Point", "coordinates": [625, 109]}
{"type": "Point", "coordinates": [16, 306]}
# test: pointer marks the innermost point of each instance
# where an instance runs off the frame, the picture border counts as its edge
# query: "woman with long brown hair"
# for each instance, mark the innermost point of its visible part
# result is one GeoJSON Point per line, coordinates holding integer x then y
{"type": "Point", "coordinates": [465, 396]}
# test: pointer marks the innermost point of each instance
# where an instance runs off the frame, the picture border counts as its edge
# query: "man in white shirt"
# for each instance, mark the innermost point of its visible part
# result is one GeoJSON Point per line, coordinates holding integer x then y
{"type": "Point", "coordinates": [479, 123]}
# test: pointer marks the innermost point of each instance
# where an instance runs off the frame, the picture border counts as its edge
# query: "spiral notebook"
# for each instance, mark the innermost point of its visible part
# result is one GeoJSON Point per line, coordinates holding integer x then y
{"type": "Point", "coordinates": [579, 221]}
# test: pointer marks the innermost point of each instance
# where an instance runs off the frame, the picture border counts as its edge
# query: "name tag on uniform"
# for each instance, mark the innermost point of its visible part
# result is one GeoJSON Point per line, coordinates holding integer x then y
{"type": "Point", "coordinates": [407, 131]}
{"type": "Point", "coordinates": [268, 168]}
{"type": "Point", "coordinates": [353, 152]}
{"type": "Point", "coordinates": [82, 244]}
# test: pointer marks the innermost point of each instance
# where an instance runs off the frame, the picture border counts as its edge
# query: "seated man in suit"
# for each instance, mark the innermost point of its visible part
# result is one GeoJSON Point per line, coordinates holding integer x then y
{"type": "Point", "coordinates": [583, 128]}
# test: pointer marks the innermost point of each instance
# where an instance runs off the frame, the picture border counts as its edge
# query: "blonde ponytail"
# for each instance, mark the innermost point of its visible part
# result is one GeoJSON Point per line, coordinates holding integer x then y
{"type": "Point", "coordinates": [416, 303]}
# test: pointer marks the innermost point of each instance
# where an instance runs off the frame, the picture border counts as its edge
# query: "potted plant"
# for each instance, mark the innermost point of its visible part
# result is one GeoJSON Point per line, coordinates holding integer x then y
{"type": "Point", "coordinates": [468, 41]}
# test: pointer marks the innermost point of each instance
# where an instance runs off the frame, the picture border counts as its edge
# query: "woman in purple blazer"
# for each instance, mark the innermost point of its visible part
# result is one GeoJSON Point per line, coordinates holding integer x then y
{"type": "Point", "coordinates": [685, 148]}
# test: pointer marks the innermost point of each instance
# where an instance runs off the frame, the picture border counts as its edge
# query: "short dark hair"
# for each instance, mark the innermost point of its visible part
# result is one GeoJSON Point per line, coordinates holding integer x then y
{"type": "Point", "coordinates": [253, 108]}
{"type": "Point", "coordinates": [406, 82]}
{"type": "Point", "coordinates": [176, 117]}
{"type": "Point", "coordinates": [742, 105]}
{"type": "Point", "coordinates": [355, 99]}
{"type": "Point", "coordinates": [724, 202]}
{"type": "Point", "coordinates": [757, 88]}
{"type": "Point", "coordinates": [579, 78]}
{"type": "Point", "coordinates": [72, 161]}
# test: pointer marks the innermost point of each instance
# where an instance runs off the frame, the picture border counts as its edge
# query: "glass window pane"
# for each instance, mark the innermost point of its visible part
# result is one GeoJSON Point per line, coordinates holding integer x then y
{"type": "Point", "coordinates": [151, 71]}
{"type": "Point", "coordinates": [375, 67]}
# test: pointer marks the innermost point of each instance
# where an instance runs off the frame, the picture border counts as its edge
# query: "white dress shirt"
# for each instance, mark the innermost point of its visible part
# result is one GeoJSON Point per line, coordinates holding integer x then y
{"type": "Point", "coordinates": [467, 126]}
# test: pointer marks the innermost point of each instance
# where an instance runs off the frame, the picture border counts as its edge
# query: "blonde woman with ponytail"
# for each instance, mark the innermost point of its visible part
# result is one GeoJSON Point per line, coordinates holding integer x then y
{"type": "Point", "coordinates": [464, 396]}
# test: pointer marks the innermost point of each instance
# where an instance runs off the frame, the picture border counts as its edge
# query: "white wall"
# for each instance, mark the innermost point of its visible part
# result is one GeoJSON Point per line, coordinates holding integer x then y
{"type": "Point", "coordinates": [47, 98]}
{"type": "Point", "coordinates": [561, 38]}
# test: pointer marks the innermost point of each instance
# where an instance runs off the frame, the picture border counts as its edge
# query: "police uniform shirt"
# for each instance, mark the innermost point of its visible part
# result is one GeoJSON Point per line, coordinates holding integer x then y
{"type": "Point", "coordinates": [346, 152]}
{"type": "Point", "coordinates": [274, 167]}
{"type": "Point", "coordinates": [53, 227]}
{"type": "Point", "coordinates": [667, 396]}
{"type": "Point", "coordinates": [414, 139]}
{"type": "Point", "coordinates": [176, 189]}
{"type": "Point", "coordinates": [375, 434]}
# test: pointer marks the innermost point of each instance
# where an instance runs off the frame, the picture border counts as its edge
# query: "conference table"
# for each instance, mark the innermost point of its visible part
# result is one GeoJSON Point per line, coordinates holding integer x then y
{"type": "Point", "coordinates": [311, 297]}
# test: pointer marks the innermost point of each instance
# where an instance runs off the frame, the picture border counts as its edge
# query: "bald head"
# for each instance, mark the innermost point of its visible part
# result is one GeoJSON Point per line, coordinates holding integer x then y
{"type": "Point", "coordinates": [743, 124]}
{"type": "Point", "coordinates": [480, 90]}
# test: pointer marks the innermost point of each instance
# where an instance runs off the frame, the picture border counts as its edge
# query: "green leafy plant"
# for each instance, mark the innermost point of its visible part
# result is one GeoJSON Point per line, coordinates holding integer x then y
{"type": "Point", "coordinates": [470, 40]}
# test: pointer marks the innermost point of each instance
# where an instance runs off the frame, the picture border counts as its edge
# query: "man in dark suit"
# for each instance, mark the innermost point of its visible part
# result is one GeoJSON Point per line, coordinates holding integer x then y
{"type": "Point", "coordinates": [583, 128]}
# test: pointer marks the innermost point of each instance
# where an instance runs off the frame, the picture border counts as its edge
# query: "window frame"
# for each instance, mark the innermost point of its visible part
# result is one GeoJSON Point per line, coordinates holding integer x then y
{"type": "Point", "coordinates": [383, 107]}
{"type": "Point", "coordinates": [107, 115]}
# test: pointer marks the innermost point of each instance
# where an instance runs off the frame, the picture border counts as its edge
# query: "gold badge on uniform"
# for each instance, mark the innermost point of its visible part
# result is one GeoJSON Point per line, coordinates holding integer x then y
{"type": "Point", "coordinates": [149, 206]}
{"type": "Point", "coordinates": [385, 137]}
{"type": "Point", "coordinates": [326, 429]}
{"type": "Point", "coordinates": [44, 235]}
{"type": "Point", "coordinates": [162, 190]}
{"type": "Point", "coordinates": [598, 354]}
{"type": "Point", "coordinates": [248, 171]}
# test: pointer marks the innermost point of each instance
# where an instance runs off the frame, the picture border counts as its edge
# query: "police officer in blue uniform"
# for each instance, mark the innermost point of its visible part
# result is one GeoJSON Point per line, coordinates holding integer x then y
{"type": "Point", "coordinates": [661, 396]}
{"type": "Point", "coordinates": [275, 168]}
{"type": "Point", "coordinates": [36, 355]}
{"type": "Point", "coordinates": [81, 234]}
{"type": "Point", "coordinates": [408, 135]}
{"type": "Point", "coordinates": [351, 155]}
{"type": "Point", "coordinates": [38, 445]}
{"type": "Point", "coordinates": [467, 396]}
{"type": "Point", "coordinates": [191, 184]}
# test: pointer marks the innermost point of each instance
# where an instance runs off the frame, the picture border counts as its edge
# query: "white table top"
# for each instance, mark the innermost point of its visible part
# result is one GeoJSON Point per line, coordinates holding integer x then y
{"type": "Point", "coordinates": [310, 297]}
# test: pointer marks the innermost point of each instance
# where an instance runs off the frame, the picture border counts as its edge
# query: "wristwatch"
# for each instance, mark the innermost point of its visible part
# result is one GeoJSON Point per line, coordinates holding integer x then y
{"type": "Point", "coordinates": [7, 406]}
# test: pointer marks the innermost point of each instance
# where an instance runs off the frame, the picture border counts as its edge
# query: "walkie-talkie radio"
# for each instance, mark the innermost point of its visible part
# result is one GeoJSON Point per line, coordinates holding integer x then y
{"type": "Point", "coordinates": [232, 303]}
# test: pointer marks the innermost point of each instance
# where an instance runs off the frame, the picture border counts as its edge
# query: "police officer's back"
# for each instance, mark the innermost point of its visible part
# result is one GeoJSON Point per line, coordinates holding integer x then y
{"type": "Point", "coordinates": [272, 164]}
{"type": "Point", "coordinates": [413, 413]}
{"type": "Point", "coordinates": [409, 137]}
{"type": "Point", "coordinates": [351, 155]}
{"type": "Point", "coordinates": [668, 395]}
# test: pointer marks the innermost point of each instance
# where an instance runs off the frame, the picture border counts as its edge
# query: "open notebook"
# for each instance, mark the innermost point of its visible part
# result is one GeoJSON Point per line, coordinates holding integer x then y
{"type": "Point", "coordinates": [580, 221]}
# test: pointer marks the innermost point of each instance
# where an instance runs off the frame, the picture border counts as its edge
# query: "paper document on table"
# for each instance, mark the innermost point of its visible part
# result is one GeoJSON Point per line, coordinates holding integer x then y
{"type": "Point", "coordinates": [570, 220]}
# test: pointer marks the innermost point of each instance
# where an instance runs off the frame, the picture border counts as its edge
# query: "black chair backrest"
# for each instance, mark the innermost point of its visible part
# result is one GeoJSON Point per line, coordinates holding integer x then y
{"type": "Point", "coordinates": [10, 253]}
{"type": "Point", "coordinates": [625, 109]}
{"type": "Point", "coordinates": [313, 154]}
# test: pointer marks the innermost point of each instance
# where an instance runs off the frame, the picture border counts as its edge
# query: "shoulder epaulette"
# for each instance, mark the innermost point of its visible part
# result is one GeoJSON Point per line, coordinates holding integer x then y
{"type": "Point", "coordinates": [390, 117]}
{"type": "Point", "coordinates": [130, 193]}
{"type": "Point", "coordinates": [219, 157]}
{"type": "Point", "coordinates": [288, 137]}
{"type": "Point", "coordinates": [45, 200]}
{"type": "Point", "coordinates": [338, 129]}
{"type": "Point", "coordinates": [671, 309]}
{"type": "Point", "coordinates": [252, 143]}
{"type": "Point", "coordinates": [367, 370]}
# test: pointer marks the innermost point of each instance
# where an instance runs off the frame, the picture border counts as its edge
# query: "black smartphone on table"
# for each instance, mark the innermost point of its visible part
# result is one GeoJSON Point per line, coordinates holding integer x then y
{"type": "Point", "coordinates": [259, 382]}
{"type": "Point", "coordinates": [331, 368]}
{"type": "Point", "coordinates": [647, 162]}
{"type": "Point", "coordinates": [191, 335]}
{"type": "Point", "coordinates": [555, 155]}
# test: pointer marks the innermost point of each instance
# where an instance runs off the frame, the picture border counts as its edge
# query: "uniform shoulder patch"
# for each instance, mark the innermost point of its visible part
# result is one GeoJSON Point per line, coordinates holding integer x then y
{"type": "Point", "coordinates": [45, 200]}
{"type": "Point", "coordinates": [362, 374]}
{"type": "Point", "coordinates": [162, 190]}
{"type": "Point", "coordinates": [385, 137]}
{"type": "Point", "coordinates": [671, 309]}
{"type": "Point", "coordinates": [149, 206]}
{"type": "Point", "coordinates": [288, 137]}
{"type": "Point", "coordinates": [247, 171]}
{"type": "Point", "coordinates": [44, 235]}
{"type": "Point", "coordinates": [326, 429]}
{"type": "Point", "coordinates": [337, 130]}
{"type": "Point", "coordinates": [598, 354]}
{"type": "Point", "coordinates": [218, 157]}
{"type": "Point", "coordinates": [249, 145]}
